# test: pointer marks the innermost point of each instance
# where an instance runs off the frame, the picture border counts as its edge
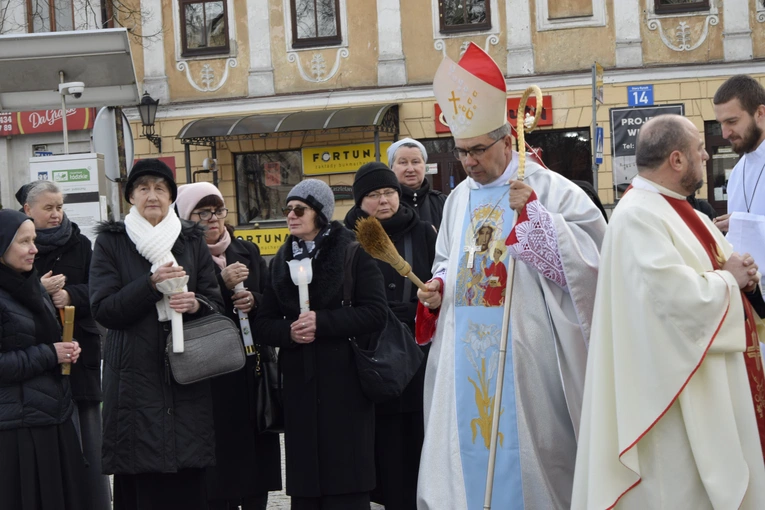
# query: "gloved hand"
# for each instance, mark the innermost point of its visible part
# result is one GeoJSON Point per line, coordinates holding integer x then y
{"type": "Point", "coordinates": [404, 312]}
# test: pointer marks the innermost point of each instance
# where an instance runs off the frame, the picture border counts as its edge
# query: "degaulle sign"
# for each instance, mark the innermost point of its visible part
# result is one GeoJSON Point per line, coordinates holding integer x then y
{"type": "Point", "coordinates": [625, 125]}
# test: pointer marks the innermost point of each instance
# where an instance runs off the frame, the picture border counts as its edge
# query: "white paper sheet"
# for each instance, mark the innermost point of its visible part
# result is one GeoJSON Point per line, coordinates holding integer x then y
{"type": "Point", "coordinates": [746, 232]}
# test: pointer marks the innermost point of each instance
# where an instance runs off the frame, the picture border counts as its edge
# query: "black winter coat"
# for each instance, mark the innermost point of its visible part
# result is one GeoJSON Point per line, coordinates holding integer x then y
{"type": "Point", "coordinates": [329, 423]}
{"type": "Point", "coordinates": [405, 224]}
{"type": "Point", "coordinates": [247, 463]}
{"type": "Point", "coordinates": [151, 423]}
{"type": "Point", "coordinates": [73, 261]}
{"type": "Point", "coordinates": [33, 393]}
{"type": "Point", "coordinates": [427, 202]}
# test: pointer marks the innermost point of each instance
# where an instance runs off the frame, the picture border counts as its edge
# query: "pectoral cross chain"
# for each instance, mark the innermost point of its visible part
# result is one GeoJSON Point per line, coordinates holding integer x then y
{"type": "Point", "coordinates": [472, 251]}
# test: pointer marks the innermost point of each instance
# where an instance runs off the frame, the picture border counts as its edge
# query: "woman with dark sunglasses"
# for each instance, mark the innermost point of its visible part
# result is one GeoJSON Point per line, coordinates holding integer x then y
{"type": "Point", "coordinates": [248, 464]}
{"type": "Point", "coordinates": [328, 421]}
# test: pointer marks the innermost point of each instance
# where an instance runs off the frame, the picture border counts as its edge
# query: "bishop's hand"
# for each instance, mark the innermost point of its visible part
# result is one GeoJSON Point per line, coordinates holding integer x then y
{"type": "Point", "coordinates": [519, 195]}
{"type": "Point", "coordinates": [432, 297]}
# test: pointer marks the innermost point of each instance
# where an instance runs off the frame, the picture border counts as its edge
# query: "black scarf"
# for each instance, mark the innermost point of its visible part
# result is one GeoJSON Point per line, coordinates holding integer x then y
{"type": "Point", "coordinates": [27, 290]}
{"type": "Point", "coordinates": [301, 249]}
{"type": "Point", "coordinates": [396, 226]}
{"type": "Point", "coordinates": [421, 192]}
{"type": "Point", "coordinates": [48, 239]}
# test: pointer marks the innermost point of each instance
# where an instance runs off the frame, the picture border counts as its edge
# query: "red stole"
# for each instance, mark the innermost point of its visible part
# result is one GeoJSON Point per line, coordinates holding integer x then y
{"type": "Point", "coordinates": [752, 356]}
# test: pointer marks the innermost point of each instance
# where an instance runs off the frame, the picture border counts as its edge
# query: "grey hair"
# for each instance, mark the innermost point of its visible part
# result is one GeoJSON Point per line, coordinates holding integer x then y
{"type": "Point", "coordinates": [500, 132]}
{"type": "Point", "coordinates": [38, 189]}
{"type": "Point", "coordinates": [659, 138]}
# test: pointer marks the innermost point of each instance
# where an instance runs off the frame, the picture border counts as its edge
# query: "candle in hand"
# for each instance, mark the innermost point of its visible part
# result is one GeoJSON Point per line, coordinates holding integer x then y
{"type": "Point", "coordinates": [302, 274]}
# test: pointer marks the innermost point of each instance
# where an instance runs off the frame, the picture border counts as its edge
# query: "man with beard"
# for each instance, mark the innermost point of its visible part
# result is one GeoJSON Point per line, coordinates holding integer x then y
{"type": "Point", "coordinates": [740, 109]}
{"type": "Point", "coordinates": [673, 413]}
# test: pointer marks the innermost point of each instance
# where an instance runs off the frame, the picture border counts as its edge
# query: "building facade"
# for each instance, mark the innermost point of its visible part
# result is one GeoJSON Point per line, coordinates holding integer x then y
{"type": "Point", "coordinates": [280, 90]}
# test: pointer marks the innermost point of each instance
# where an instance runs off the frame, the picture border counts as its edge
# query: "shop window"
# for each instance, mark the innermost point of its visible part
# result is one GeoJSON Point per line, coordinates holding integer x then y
{"type": "Point", "coordinates": [204, 28]}
{"type": "Point", "coordinates": [263, 180]}
{"type": "Point", "coordinates": [565, 151]}
{"type": "Point", "coordinates": [721, 161]}
{"type": "Point", "coordinates": [679, 6]}
{"type": "Point", "coordinates": [464, 15]}
{"type": "Point", "coordinates": [315, 23]}
{"type": "Point", "coordinates": [50, 15]}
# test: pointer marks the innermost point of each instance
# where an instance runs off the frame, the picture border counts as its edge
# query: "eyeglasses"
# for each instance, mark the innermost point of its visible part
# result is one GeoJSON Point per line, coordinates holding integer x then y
{"type": "Point", "coordinates": [207, 214]}
{"type": "Point", "coordinates": [299, 210]}
{"type": "Point", "coordinates": [377, 195]}
{"type": "Point", "coordinates": [475, 152]}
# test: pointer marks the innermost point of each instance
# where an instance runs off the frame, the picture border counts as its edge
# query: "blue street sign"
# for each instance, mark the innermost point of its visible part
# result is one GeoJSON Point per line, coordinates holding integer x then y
{"type": "Point", "coordinates": [598, 145]}
{"type": "Point", "coordinates": [640, 95]}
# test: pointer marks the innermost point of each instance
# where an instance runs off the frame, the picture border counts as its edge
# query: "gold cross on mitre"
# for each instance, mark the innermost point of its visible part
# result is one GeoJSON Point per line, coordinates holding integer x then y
{"type": "Point", "coordinates": [474, 93]}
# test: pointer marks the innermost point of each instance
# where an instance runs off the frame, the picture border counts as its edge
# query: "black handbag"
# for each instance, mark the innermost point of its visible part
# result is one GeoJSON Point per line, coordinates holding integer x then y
{"type": "Point", "coordinates": [268, 405]}
{"type": "Point", "coordinates": [392, 357]}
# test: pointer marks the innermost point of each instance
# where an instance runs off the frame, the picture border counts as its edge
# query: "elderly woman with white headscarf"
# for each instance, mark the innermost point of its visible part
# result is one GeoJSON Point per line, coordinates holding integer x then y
{"type": "Point", "coordinates": [407, 159]}
{"type": "Point", "coordinates": [158, 434]}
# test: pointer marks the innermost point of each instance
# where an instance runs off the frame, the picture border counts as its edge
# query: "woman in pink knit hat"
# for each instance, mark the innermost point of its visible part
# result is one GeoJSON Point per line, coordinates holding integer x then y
{"type": "Point", "coordinates": [247, 463]}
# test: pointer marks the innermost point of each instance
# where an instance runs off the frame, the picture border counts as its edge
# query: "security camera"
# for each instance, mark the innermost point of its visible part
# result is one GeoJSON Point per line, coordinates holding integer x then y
{"type": "Point", "coordinates": [210, 164]}
{"type": "Point", "coordinates": [72, 88]}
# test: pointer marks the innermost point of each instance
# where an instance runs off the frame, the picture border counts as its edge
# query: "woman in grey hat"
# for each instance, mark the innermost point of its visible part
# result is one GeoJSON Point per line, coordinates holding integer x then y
{"type": "Point", "coordinates": [328, 422]}
{"type": "Point", "coordinates": [158, 434]}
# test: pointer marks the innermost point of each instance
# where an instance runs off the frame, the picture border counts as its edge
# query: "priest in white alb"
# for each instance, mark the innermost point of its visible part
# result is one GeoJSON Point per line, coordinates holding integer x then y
{"type": "Point", "coordinates": [674, 402]}
{"type": "Point", "coordinates": [556, 244]}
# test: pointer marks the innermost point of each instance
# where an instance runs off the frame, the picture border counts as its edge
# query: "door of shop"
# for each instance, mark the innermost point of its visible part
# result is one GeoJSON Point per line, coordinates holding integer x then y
{"type": "Point", "coordinates": [450, 171]}
{"type": "Point", "coordinates": [722, 159]}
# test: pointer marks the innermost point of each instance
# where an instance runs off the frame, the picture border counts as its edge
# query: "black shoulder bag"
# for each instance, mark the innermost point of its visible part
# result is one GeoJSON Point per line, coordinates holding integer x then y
{"type": "Point", "coordinates": [392, 358]}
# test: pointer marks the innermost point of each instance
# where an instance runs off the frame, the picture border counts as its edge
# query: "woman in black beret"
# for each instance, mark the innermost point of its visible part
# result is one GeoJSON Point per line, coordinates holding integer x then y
{"type": "Point", "coordinates": [399, 428]}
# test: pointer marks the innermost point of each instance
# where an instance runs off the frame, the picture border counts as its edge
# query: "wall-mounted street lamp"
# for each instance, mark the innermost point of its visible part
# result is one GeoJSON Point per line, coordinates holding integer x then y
{"type": "Point", "coordinates": [147, 109]}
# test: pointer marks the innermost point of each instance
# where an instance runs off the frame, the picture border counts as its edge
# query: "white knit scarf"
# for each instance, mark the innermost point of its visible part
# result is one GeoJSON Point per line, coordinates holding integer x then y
{"type": "Point", "coordinates": [155, 243]}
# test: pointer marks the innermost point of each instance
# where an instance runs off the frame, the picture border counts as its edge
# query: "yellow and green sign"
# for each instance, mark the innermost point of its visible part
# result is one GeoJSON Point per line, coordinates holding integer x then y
{"type": "Point", "coordinates": [269, 240]}
{"type": "Point", "coordinates": [340, 159]}
{"type": "Point", "coordinates": [77, 175]}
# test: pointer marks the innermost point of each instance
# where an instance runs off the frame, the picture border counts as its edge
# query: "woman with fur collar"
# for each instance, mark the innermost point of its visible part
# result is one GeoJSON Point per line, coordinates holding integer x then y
{"type": "Point", "coordinates": [329, 422]}
{"type": "Point", "coordinates": [158, 435]}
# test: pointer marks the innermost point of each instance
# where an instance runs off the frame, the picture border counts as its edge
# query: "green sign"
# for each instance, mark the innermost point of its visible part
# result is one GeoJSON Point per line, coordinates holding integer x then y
{"type": "Point", "coordinates": [77, 175]}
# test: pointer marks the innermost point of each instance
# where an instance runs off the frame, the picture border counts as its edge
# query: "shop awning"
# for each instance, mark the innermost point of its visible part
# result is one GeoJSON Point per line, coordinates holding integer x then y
{"type": "Point", "coordinates": [377, 118]}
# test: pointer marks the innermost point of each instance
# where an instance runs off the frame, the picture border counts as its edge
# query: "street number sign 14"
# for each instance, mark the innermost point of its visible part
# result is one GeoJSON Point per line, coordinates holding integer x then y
{"type": "Point", "coordinates": [640, 95]}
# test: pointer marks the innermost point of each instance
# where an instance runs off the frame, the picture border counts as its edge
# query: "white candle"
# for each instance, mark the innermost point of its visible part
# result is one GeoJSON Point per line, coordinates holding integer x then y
{"type": "Point", "coordinates": [176, 320]}
{"type": "Point", "coordinates": [302, 274]}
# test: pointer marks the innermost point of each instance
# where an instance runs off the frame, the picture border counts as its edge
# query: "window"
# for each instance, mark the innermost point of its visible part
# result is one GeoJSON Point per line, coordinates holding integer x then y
{"type": "Point", "coordinates": [263, 180]}
{"type": "Point", "coordinates": [565, 151]}
{"type": "Point", "coordinates": [315, 23]}
{"type": "Point", "coordinates": [204, 28]}
{"type": "Point", "coordinates": [50, 15]}
{"type": "Point", "coordinates": [679, 6]}
{"type": "Point", "coordinates": [464, 15]}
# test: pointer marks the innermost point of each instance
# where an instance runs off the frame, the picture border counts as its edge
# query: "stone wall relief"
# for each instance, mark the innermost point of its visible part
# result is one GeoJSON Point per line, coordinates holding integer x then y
{"type": "Point", "coordinates": [318, 66]}
{"type": "Point", "coordinates": [761, 11]}
{"type": "Point", "coordinates": [491, 40]}
{"type": "Point", "coordinates": [686, 35]}
{"type": "Point", "coordinates": [206, 74]}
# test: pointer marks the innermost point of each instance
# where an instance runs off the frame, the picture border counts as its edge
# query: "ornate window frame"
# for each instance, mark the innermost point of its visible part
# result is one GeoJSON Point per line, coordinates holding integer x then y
{"type": "Point", "coordinates": [598, 18]}
{"type": "Point", "coordinates": [289, 29]}
{"type": "Point", "coordinates": [493, 29]}
{"type": "Point", "coordinates": [232, 40]}
{"type": "Point", "coordinates": [465, 27]}
{"type": "Point", "coordinates": [685, 8]}
{"type": "Point", "coordinates": [53, 26]}
{"type": "Point", "coordinates": [318, 41]}
{"type": "Point", "coordinates": [203, 52]}
{"type": "Point", "coordinates": [653, 22]}
{"type": "Point", "coordinates": [760, 10]}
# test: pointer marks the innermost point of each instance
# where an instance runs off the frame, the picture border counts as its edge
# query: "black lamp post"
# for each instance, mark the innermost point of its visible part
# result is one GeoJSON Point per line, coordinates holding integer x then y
{"type": "Point", "coordinates": [148, 111]}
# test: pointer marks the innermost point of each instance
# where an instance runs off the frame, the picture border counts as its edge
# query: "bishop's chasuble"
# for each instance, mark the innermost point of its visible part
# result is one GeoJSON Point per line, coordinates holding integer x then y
{"type": "Point", "coordinates": [670, 419]}
{"type": "Point", "coordinates": [557, 243]}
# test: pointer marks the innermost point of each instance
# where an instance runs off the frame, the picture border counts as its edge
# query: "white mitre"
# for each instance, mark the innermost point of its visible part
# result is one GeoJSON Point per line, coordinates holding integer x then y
{"type": "Point", "coordinates": [471, 93]}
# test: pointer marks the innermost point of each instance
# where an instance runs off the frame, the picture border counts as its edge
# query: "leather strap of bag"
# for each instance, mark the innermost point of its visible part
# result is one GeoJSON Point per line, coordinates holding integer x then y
{"type": "Point", "coordinates": [406, 296]}
{"type": "Point", "coordinates": [350, 259]}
